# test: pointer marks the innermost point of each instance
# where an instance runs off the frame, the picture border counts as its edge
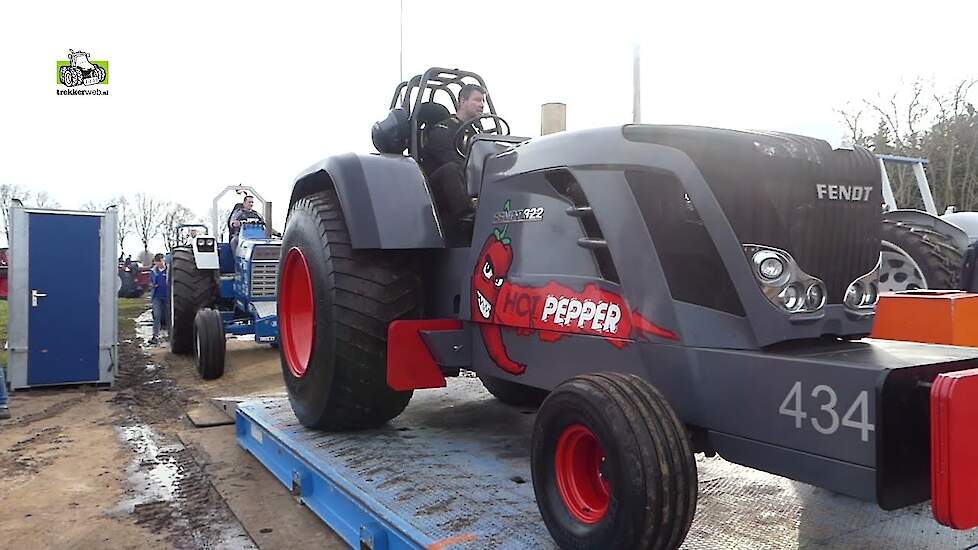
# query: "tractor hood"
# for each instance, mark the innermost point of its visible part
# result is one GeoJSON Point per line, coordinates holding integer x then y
{"type": "Point", "coordinates": [789, 192]}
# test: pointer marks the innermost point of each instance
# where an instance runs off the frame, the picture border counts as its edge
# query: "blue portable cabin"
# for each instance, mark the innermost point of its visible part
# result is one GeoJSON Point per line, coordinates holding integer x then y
{"type": "Point", "coordinates": [63, 302]}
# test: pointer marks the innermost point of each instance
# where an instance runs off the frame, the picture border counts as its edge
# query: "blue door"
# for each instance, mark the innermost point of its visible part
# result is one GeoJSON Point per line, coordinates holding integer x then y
{"type": "Point", "coordinates": [64, 310]}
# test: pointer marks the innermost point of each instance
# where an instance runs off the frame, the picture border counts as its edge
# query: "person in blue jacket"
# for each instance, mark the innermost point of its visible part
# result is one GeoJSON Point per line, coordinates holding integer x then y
{"type": "Point", "coordinates": [4, 409]}
{"type": "Point", "coordinates": [161, 296]}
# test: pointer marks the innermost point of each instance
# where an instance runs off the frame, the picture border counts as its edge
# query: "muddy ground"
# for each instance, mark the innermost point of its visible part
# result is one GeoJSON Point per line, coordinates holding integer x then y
{"type": "Point", "coordinates": [84, 467]}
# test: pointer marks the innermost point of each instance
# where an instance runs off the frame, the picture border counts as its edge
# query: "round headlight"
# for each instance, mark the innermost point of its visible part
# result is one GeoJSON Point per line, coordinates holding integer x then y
{"type": "Point", "coordinates": [771, 268]}
{"type": "Point", "coordinates": [815, 296]}
{"type": "Point", "coordinates": [791, 297]}
{"type": "Point", "coordinates": [871, 295]}
{"type": "Point", "coordinates": [854, 295]}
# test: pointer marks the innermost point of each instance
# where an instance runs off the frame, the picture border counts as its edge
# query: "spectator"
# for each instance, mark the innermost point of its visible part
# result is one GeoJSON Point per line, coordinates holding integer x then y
{"type": "Point", "coordinates": [4, 409]}
{"type": "Point", "coordinates": [161, 296]}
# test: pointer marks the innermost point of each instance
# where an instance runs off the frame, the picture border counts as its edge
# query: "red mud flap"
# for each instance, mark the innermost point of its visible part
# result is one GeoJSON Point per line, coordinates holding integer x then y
{"type": "Point", "coordinates": [954, 449]}
{"type": "Point", "coordinates": [410, 365]}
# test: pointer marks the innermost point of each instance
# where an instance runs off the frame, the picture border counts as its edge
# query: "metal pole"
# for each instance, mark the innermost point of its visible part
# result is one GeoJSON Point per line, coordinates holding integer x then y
{"type": "Point", "coordinates": [636, 83]}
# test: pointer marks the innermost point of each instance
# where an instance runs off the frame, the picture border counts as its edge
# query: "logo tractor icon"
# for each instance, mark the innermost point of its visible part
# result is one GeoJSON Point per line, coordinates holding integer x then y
{"type": "Point", "coordinates": [81, 71]}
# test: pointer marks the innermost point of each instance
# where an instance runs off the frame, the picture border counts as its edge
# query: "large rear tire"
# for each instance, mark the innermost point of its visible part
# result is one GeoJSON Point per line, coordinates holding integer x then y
{"type": "Point", "coordinates": [334, 307]}
{"type": "Point", "coordinates": [917, 257]}
{"type": "Point", "coordinates": [209, 344]}
{"type": "Point", "coordinates": [513, 393]}
{"type": "Point", "coordinates": [190, 290]}
{"type": "Point", "coordinates": [612, 465]}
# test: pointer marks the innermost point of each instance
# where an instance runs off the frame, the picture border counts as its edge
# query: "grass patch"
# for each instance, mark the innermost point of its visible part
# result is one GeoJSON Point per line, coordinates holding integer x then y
{"type": "Point", "coordinates": [129, 309]}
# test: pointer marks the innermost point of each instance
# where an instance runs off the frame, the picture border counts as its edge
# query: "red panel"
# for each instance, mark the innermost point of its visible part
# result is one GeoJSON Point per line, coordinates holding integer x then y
{"type": "Point", "coordinates": [410, 365]}
{"type": "Point", "coordinates": [954, 449]}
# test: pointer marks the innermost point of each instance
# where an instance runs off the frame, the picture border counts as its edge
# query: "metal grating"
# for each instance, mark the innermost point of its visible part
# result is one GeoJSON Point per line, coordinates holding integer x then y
{"type": "Point", "coordinates": [457, 463]}
{"type": "Point", "coordinates": [264, 279]}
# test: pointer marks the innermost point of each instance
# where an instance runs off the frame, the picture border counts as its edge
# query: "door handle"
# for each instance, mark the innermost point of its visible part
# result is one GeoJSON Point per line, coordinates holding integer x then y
{"type": "Point", "coordinates": [35, 295]}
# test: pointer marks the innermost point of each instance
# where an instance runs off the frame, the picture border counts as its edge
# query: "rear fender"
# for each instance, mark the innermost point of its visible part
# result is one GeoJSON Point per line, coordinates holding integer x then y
{"type": "Point", "coordinates": [385, 199]}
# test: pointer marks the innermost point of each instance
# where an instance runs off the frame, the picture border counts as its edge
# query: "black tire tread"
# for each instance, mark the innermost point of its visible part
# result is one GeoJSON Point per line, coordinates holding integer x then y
{"type": "Point", "coordinates": [369, 290]}
{"type": "Point", "coordinates": [933, 251]}
{"type": "Point", "coordinates": [661, 444]}
{"type": "Point", "coordinates": [679, 474]}
{"type": "Point", "coordinates": [191, 290]}
{"type": "Point", "coordinates": [209, 357]}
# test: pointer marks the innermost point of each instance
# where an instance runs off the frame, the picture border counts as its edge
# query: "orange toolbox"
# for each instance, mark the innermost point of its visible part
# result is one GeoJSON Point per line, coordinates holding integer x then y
{"type": "Point", "coordinates": [931, 316]}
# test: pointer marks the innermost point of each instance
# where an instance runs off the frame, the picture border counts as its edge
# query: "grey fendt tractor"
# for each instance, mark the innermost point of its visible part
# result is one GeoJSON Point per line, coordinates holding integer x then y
{"type": "Point", "coordinates": [658, 290]}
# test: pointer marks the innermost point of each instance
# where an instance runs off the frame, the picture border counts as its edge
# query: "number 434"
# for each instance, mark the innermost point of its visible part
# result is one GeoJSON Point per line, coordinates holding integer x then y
{"type": "Point", "coordinates": [827, 421]}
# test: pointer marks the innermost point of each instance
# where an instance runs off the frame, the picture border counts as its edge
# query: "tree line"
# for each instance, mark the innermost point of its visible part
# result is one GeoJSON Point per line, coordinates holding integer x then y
{"type": "Point", "coordinates": [142, 216]}
{"type": "Point", "coordinates": [922, 121]}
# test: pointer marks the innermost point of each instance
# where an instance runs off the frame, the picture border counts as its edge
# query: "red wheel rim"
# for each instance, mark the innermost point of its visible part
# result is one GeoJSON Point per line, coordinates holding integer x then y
{"type": "Point", "coordinates": [578, 461]}
{"type": "Point", "coordinates": [296, 311]}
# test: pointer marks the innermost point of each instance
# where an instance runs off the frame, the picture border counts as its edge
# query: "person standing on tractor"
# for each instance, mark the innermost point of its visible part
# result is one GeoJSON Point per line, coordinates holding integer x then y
{"type": "Point", "coordinates": [443, 162]}
{"type": "Point", "coordinates": [161, 307]}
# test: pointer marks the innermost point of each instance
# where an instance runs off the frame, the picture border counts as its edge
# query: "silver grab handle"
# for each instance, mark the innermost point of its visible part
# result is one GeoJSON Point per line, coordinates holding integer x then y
{"type": "Point", "coordinates": [35, 295]}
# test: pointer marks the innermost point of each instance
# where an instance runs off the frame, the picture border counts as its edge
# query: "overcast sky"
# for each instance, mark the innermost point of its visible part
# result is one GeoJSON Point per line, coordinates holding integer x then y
{"type": "Point", "coordinates": [208, 94]}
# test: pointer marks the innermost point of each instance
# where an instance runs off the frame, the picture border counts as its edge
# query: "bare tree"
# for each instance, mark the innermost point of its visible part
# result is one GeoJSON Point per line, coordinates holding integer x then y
{"type": "Point", "coordinates": [8, 192]}
{"type": "Point", "coordinates": [918, 121]}
{"type": "Point", "coordinates": [175, 215]}
{"type": "Point", "coordinates": [124, 215]}
{"type": "Point", "coordinates": [43, 199]}
{"type": "Point", "coordinates": [148, 212]}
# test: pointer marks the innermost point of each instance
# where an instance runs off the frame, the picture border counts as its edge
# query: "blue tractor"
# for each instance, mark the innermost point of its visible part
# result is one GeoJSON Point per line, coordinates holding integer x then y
{"type": "Point", "coordinates": [219, 288]}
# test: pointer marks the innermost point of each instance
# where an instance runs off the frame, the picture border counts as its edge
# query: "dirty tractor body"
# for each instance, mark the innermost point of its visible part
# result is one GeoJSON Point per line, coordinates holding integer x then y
{"type": "Point", "coordinates": [220, 288]}
{"type": "Point", "coordinates": [662, 290]}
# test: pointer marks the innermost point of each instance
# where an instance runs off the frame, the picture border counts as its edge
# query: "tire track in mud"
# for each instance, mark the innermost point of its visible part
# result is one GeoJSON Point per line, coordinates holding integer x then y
{"type": "Point", "coordinates": [168, 493]}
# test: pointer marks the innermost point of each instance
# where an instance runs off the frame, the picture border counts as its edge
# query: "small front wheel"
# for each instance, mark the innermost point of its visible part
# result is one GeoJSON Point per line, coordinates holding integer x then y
{"type": "Point", "coordinates": [209, 344]}
{"type": "Point", "coordinates": [612, 465]}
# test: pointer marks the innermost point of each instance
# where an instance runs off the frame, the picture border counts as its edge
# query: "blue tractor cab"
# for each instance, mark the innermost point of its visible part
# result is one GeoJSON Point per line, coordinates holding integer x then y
{"type": "Point", "coordinates": [220, 287]}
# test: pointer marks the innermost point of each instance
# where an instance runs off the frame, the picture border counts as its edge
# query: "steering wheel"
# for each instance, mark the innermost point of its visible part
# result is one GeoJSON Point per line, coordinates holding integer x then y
{"type": "Point", "coordinates": [462, 137]}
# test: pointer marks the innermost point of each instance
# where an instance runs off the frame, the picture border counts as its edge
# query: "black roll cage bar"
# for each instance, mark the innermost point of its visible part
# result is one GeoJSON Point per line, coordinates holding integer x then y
{"type": "Point", "coordinates": [433, 80]}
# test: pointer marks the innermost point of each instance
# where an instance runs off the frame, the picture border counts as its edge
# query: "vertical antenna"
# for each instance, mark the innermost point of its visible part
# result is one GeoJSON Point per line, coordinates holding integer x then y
{"type": "Point", "coordinates": [636, 82]}
{"type": "Point", "coordinates": [400, 49]}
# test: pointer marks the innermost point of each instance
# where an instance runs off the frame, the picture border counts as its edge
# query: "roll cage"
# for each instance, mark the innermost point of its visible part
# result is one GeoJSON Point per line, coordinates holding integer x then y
{"type": "Point", "coordinates": [435, 80]}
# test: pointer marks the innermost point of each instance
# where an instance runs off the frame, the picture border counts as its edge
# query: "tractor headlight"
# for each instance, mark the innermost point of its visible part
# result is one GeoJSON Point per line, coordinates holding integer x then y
{"type": "Point", "coordinates": [770, 267]}
{"type": "Point", "coordinates": [863, 293]}
{"type": "Point", "coordinates": [783, 282]}
{"type": "Point", "coordinates": [791, 298]}
{"type": "Point", "coordinates": [815, 296]}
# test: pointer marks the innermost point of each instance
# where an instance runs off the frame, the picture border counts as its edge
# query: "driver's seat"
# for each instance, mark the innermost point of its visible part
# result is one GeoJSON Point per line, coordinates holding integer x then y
{"type": "Point", "coordinates": [427, 115]}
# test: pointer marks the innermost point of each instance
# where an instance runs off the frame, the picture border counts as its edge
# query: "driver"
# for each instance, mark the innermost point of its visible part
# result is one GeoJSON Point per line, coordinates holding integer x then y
{"type": "Point", "coordinates": [243, 214]}
{"type": "Point", "coordinates": [240, 215]}
{"type": "Point", "coordinates": [439, 148]}
{"type": "Point", "coordinates": [443, 163]}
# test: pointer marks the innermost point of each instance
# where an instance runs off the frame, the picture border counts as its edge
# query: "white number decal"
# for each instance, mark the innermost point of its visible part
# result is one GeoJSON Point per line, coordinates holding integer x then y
{"type": "Point", "coordinates": [861, 403]}
{"type": "Point", "coordinates": [797, 413]}
{"type": "Point", "coordinates": [857, 415]}
{"type": "Point", "coordinates": [829, 408]}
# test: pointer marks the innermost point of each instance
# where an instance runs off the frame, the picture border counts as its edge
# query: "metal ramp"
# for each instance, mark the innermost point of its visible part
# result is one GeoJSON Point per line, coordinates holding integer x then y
{"type": "Point", "coordinates": [453, 472]}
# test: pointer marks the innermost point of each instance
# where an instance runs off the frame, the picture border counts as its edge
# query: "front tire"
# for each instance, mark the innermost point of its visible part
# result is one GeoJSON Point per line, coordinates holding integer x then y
{"type": "Point", "coordinates": [335, 305]}
{"type": "Point", "coordinates": [209, 344]}
{"type": "Point", "coordinates": [612, 465]}
{"type": "Point", "coordinates": [190, 290]}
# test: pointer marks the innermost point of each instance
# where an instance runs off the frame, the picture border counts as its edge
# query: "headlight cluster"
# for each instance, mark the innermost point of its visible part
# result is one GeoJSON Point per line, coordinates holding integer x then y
{"type": "Point", "coordinates": [863, 293]}
{"type": "Point", "coordinates": [783, 282]}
